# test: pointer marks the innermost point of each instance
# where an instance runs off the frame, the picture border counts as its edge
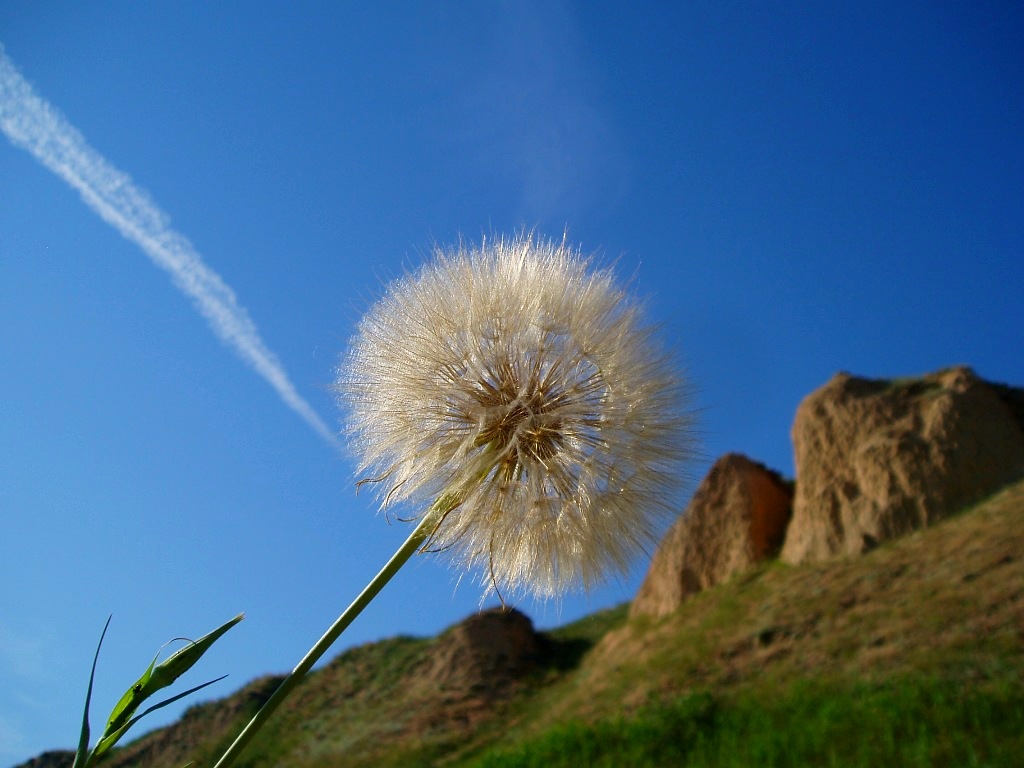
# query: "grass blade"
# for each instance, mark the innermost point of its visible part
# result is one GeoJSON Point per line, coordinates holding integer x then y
{"type": "Point", "coordinates": [82, 757]}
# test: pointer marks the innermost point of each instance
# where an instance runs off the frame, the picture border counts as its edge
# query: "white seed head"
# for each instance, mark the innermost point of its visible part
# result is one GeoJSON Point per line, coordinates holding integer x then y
{"type": "Point", "coordinates": [523, 387]}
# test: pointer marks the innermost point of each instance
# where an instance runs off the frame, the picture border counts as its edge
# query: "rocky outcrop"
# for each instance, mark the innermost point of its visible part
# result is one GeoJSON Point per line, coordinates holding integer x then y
{"type": "Point", "coordinates": [737, 518]}
{"type": "Point", "coordinates": [484, 653]}
{"type": "Point", "coordinates": [876, 459]}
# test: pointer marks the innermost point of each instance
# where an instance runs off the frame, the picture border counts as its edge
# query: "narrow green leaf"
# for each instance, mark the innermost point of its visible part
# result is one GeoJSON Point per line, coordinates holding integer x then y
{"type": "Point", "coordinates": [130, 701]}
{"type": "Point", "coordinates": [156, 677]}
{"type": "Point", "coordinates": [82, 757]}
{"type": "Point", "coordinates": [182, 660]}
{"type": "Point", "coordinates": [110, 740]}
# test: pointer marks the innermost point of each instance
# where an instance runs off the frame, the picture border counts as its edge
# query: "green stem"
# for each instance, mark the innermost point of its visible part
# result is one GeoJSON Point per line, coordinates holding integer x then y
{"type": "Point", "coordinates": [411, 545]}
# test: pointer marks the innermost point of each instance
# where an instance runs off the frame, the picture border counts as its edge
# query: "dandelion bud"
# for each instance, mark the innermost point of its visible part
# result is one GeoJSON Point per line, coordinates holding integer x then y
{"type": "Point", "coordinates": [517, 392]}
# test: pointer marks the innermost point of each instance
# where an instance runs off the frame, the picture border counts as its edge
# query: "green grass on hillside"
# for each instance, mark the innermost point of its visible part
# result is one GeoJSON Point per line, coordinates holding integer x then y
{"type": "Point", "coordinates": [913, 722]}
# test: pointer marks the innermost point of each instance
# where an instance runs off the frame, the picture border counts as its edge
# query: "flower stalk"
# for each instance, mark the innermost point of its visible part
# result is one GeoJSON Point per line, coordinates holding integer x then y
{"type": "Point", "coordinates": [414, 543]}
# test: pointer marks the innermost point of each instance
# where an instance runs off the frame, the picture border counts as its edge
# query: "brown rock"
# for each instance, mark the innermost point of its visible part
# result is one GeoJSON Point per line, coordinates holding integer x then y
{"type": "Point", "coordinates": [737, 518]}
{"type": "Point", "coordinates": [877, 459]}
{"type": "Point", "coordinates": [484, 653]}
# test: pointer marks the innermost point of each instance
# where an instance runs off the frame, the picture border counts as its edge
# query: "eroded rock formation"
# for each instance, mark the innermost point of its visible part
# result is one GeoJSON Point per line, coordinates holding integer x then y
{"type": "Point", "coordinates": [486, 651]}
{"type": "Point", "coordinates": [737, 518]}
{"type": "Point", "coordinates": [876, 459]}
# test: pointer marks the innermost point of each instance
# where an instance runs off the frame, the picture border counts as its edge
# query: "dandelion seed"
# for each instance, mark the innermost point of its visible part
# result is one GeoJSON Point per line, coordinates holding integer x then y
{"type": "Point", "coordinates": [520, 390]}
{"type": "Point", "coordinates": [515, 399]}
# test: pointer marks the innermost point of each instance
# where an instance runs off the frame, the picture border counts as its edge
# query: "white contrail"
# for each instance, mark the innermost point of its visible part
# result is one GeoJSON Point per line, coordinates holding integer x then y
{"type": "Point", "coordinates": [37, 127]}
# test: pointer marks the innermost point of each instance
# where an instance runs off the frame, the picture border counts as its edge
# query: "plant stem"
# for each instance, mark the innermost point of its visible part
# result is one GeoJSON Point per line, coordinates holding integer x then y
{"type": "Point", "coordinates": [411, 545]}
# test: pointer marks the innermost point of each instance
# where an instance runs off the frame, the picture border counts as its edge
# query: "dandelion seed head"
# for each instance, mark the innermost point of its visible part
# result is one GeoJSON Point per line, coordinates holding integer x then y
{"type": "Point", "coordinates": [522, 384]}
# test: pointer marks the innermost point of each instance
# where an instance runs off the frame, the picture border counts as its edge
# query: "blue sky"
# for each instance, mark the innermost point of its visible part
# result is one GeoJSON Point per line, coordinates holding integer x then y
{"type": "Point", "coordinates": [796, 190]}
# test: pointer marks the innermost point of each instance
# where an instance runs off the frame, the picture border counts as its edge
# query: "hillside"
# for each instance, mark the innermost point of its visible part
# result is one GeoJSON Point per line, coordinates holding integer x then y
{"type": "Point", "coordinates": [921, 638]}
{"type": "Point", "coordinates": [871, 613]}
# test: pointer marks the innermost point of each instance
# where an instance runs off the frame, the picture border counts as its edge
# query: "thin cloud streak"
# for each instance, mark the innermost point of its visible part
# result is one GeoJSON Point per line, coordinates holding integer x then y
{"type": "Point", "coordinates": [34, 125]}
